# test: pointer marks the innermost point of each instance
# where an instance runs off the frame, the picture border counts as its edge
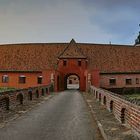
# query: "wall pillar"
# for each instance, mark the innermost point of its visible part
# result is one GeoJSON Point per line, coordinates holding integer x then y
{"type": "Point", "coordinates": [95, 78]}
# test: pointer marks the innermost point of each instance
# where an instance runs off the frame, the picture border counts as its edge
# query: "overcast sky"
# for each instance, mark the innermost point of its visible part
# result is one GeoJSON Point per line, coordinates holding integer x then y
{"type": "Point", "coordinates": [93, 21]}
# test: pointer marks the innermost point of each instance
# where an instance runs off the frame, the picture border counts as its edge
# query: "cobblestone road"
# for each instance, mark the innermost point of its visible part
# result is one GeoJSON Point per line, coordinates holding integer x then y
{"type": "Point", "coordinates": [63, 117]}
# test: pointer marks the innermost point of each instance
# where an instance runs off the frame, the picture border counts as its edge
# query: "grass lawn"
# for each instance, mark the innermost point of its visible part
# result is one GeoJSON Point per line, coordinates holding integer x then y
{"type": "Point", "coordinates": [6, 89]}
{"type": "Point", "coordinates": [133, 96]}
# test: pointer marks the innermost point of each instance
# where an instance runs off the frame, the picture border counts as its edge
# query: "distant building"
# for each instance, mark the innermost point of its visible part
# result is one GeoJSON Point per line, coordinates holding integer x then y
{"type": "Point", "coordinates": [73, 79]}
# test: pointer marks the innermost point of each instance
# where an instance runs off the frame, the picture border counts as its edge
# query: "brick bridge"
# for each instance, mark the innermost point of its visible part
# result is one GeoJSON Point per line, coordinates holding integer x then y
{"type": "Point", "coordinates": [124, 111]}
{"type": "Point", "coordinates": [10, 99]}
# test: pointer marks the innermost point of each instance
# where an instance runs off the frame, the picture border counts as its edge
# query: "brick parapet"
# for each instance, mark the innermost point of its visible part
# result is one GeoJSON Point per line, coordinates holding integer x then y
{"type": "Point", "coordinates": [123, 110]}
{"type": "Point", "coordinates": [10, 99]}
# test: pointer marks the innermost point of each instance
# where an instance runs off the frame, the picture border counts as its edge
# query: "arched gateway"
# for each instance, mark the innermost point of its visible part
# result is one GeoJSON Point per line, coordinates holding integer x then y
{"type": "Point", "coordinates": [71, 81]}
{"type": "Point", "coordinates": [71, 62]}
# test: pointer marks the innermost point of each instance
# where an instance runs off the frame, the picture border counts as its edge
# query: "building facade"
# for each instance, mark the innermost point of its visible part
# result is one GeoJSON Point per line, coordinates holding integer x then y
{"type": "Point", "coordinates": [113, 67]}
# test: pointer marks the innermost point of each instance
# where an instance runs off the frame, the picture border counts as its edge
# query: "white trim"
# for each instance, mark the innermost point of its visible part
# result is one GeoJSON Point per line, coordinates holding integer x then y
{"type": "Point", "coordinates": [112, 78]}
{"type": "Point", "coordinates": [22, 76]}
{"type": "Point", "coordinates": [5, 75]}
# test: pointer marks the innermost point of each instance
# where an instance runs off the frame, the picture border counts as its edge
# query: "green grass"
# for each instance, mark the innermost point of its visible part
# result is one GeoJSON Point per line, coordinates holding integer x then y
{"type": "Point", "coordinates": [2, 89]}
{"type": "Point", "coordinates": [133, 96]}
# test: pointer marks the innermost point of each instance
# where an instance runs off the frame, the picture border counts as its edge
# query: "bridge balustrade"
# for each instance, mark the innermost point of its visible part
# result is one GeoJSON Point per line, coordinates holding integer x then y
{"type": "Point", "coordinates": [10, 99]}
{"type": "Point", "coordinates": [125, 111]}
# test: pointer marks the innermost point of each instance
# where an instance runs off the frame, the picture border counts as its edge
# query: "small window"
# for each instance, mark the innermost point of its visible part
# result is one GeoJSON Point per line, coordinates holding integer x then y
{"type": "Point", "coordinates": [112, 81]}
{"type": "Point", "coordinates": [137, 80]}
{"type": "Point", "coordinates": [5, 79]}
{"type": "Point", "coordinates": [128, 81]}
{"type": "Point", "coordinates": [79, 62]}
{"type": "Point", "coordinates": [64, 63]}
{"type": "Point", "coordinates": [39, 79]}
{"type": "Point", "coordinates": [22, 79]}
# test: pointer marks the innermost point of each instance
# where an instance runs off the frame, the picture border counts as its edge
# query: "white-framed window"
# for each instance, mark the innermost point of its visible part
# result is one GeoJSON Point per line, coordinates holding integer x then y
{"type": "Point", "coordinates": [112, 81]}
{"type": "Point", "coordinates": [128, 81]}
{"type": "Point", "coordinates": [5, 79]}
{"type": "Point", "coordinates": [22, 79]}
{"type": "Point", "coordinates": [39, 79]}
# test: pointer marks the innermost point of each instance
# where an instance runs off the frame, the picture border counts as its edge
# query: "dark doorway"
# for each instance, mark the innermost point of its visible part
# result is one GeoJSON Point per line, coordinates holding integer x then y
{"type": "Point", "coordinates": [70, 81]}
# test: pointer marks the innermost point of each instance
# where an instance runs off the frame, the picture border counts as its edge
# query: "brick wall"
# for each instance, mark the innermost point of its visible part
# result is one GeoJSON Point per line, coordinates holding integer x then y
{"type": "Point", "coordinates": [10, 99]}
{"type": "Point", "coordinates": [126, 112]}
{"type": "Point", "coordinates": [31, 79]}
{"type": "Point", "coordinates": [120, 80]}
{"type": "Point", "coordinates": [72, 68]}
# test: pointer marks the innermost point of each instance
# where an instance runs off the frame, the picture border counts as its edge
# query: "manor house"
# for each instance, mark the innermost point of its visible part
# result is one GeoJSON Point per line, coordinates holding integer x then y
{"type": "Point", "coordinates": [109, 66]}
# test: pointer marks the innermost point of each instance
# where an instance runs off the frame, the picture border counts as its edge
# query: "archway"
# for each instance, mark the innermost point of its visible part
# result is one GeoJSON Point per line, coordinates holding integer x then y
{"type": "Point", "coordinates": [96, 94]}
{"type": "Point", "coordinates": [47, 91]}
{"type": "Point", "coordinates": [104, 100]}
{"type": "Point", "coordinates": [30, 95]}
{"type": "Point", "coordinates": [4, 103]}
{"type": "Point", "coordinates": [100, 97]}
{"type": "Point", "coordinates": [37, 94]}
{"type": "Point", "coordinates": [71, 81]}
{"type": "Point", "coordinates": [58, 82]}
{"type": "Point", "coordinates": [123, 115]}
{"type": "Point", "coordinates": [111, 106]}
{"type": "Point", "coordinates": [20, 98]}
{"type": "Point", "coordinates": [42, 92]}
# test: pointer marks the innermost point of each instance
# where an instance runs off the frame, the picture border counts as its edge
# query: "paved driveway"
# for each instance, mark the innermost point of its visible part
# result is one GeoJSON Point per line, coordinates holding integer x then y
{"type": "Point", "coordinates": [63, 117]}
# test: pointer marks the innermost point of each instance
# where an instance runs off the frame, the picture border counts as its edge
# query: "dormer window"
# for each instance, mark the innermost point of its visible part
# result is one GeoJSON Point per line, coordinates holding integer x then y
{"type": "Point", "coordinates": [64, 62]}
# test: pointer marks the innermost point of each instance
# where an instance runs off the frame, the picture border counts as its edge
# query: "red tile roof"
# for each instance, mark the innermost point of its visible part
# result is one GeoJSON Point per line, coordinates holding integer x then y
{"type": "Point", "coordinates": [41, 56]}
{"type": "Point", "coordinates": [72, 51]}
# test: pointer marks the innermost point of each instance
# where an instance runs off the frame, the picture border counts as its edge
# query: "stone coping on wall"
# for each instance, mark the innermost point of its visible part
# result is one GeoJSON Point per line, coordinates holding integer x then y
{"type": "Point", "coordinates": [23, 89]}
{"type": "Point", "coordinates": [108, 125]}
{"type": "Point", "coordinates": [134, 102]}
{"type": "Point", "coordinates": [132, 111]}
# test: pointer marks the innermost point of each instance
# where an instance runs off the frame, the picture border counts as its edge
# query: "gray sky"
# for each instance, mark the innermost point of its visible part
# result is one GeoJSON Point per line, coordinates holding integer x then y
{"type": "Point", "coordinates": [93, 21]}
